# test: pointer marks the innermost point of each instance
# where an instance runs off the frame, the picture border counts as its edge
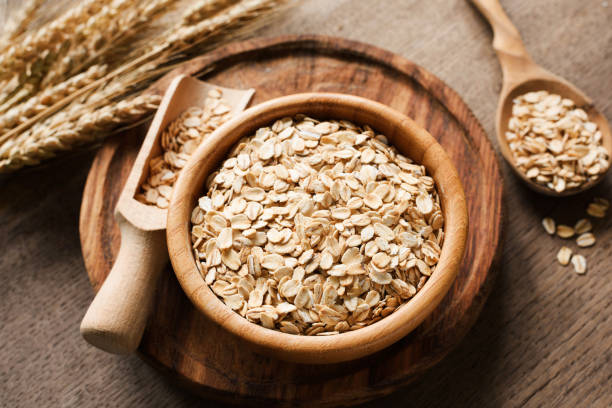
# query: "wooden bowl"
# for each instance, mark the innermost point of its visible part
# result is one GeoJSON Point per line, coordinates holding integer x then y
{"type": "Point", "coordinates": [409, 138]}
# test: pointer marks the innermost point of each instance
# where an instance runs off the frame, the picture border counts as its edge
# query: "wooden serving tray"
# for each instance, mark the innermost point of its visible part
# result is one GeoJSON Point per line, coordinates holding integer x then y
{"type": "Point", "coordinates": [199, 354]}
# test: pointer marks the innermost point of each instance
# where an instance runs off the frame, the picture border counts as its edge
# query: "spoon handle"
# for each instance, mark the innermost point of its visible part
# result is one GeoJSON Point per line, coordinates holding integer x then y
{"type": "Point", "coordinates": [116, 319]}
{"type": "Point", "coordinates": [513, 57]}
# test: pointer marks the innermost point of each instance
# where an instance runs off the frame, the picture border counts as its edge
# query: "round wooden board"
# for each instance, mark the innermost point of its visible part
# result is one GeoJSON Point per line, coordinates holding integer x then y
{"type": "Point", "coordinates": [198, 354]}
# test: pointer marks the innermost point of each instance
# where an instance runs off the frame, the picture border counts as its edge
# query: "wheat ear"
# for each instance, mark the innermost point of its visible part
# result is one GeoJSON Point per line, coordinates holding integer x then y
{"type": "Point", "coordinates": [38, 103]}
{"type": "Point", "coordinates": [88, 128]}
{"type": "Point", "coordinates": [102, 32]}
{"type": "Point", "coordinates": [49, 38]}
{"type": "Point", "coordinates": [177, 43]}
{"type": "Point", "coordinates": [232, 18]}
{"type": "Point", "coordinates": [114, 30]}
{"type": "Point", "coordinates": [19, 23]}
{"type": "Point", "coordinates": [37, 138]}
{"type": "Point", "coordinates": [204, 9]}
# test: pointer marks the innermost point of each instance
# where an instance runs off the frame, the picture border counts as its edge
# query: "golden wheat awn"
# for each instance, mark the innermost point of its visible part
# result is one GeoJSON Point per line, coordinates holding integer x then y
{"type": "Point", "coordinates": [105, 35]}
{"type": "Point", "coordinates": [17, 26]}
{"type": "Point", "coordinates": [48, 97]}
{"type": "Point", "coordinates": [53, 56]}
{"type": "Point", "coordinates": [47, 39]}
{"type": "Point", "coordinates": [88, 128]}
{"type": "Point", "coordinates": [30, 57]}
{"type": "Point", "coordinates": [16, 97]}
{"type": "Point", "coordinates": [205, 9]}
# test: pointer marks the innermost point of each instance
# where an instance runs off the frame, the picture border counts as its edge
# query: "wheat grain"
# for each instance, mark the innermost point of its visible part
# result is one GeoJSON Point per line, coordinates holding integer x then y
{"type": "Point", "coordinates": [16, 97]}
{"type": "Point", "coordinates": [204, 9]}
{"type": "Point", "coordinates": [8, 87]}
{"type": "Point", "coordinates": [19, 23]}
{"type": "Point", "coordinates": [49, 38]}
{"type": "Point", "coordinates": [20, 138]}
{"type": "Point", "coordinates": [104, 35]}
{"type": "Point", "coordinates": [90, 127]}
{"type": "Point", "coordinates": [232, 17]}
{"type": "Point", "coordinates": [48, 97]}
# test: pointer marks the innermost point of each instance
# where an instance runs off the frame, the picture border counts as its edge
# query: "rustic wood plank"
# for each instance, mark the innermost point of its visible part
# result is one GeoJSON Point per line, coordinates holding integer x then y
{"type": "Point", "coordinates": [215, 364]}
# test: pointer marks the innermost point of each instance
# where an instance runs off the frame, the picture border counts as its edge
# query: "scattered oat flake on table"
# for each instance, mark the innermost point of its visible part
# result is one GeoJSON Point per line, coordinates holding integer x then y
{"type": "Point", "coordinates": [549, 225]}
{"type": "Point", "coordinates": [565, 231]}
{"type": "Point", "coordinates": [602, 201]}
{"type": "Point", "coordinates": [564, 255]}
{"type": "Point", "coordinates": [597, 209]}
{"type": "Point", "coordinates": [583, 225]}
{"type": "Point", "coordinates": [585, 240]}
{"type": "Point", "coordinates": [580, 264]}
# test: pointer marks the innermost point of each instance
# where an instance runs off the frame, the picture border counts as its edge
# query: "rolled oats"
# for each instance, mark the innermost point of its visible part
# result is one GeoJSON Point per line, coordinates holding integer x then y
{"type": "Point", "coordinates": [317, 228]}
{"type": "Point", "coordinates": [564, 255]}
{"type": "Point", "coordinates": [549, 225]}
{"type": "Point", "coordinates": [585, 240]}
{"type": "Point", "coordinates": [598, 208]}
{"type": "Point", "coordinates": [178, 141]}
{"type": "Point", "coordinates": [580, 264]}
{"type": "Point", "coordinates": [583, 225]}
{"type": "Point", "coordinates": [553, 142]}
{"type": "Point", "coordinates": [565, 231]}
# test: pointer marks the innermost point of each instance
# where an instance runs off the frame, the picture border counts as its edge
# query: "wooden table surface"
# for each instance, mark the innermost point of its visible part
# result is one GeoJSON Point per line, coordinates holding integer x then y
{"type": "Point", "coordinates": [545, 335]}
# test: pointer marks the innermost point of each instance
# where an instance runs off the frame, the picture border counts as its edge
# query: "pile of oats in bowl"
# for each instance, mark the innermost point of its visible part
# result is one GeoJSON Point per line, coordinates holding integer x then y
{"type": "Point", "coordinates": [180, 139]}
{"type": "Point", "coordinates": [554, 143]}
{"type": "Point", "coordinates": [317, 227]}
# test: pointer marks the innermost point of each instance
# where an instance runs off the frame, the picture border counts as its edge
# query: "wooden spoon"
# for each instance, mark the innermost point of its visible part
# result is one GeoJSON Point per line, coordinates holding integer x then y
{"type": "Point", "coordinates": [116, 318]}
{"type": "Point", "coordinates": [522, 75]}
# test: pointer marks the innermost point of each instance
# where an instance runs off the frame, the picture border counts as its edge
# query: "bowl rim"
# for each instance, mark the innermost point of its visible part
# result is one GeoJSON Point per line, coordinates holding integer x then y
{"type": "Point", "coordinates": [417, 143]}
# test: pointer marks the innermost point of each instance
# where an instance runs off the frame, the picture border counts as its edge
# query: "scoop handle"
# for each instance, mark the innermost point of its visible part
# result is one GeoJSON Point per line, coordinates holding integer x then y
{"type": "Point", "coordinates": [116, 318]}
{"type": "Point", "coordinates": [511, 52]}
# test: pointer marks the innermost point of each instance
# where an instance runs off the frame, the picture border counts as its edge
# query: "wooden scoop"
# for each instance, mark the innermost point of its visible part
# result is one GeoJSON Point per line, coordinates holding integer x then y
{"type": "Point", "coordinates": [117, 316]}
{"type": "Point", "coordinates": [522, 75]}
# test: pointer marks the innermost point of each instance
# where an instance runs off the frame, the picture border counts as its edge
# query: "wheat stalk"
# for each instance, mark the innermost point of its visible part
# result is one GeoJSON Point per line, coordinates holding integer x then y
{"type": "Point", "coordinates": [67, 122]}
{"type": "Point", "coordinates": [205, 9]}
{"type": "Point", "coordinates": [48, 39]}
{"type": "Point", "coordinates": [38, 103]}
{"type": "Point", "coordinates": [232, 18]}
{"type": "Point", "coordinates": [105, 94]}
{"type": "Point", "coordinates": [103, 33]}
{"type": "Point", "coordinates": [88, 128]}
{"type": "Point", "coordinates": [31, 55]}
{"type": "Point", "coordinates": [179, 42]}
{"type": "Point", "coordinates": [18, 24]}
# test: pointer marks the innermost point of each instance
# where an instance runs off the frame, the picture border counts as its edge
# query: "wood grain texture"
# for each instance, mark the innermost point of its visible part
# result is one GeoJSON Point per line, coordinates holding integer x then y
{"type": "Point", "coordinates": [216, 364]}
{"type": "Point", "coordinates": [544, 337]}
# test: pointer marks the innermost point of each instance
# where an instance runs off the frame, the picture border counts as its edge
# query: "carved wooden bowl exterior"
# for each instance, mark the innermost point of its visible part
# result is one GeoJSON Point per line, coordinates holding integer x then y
{"type": "Point", "coordinates": [409, 138]}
